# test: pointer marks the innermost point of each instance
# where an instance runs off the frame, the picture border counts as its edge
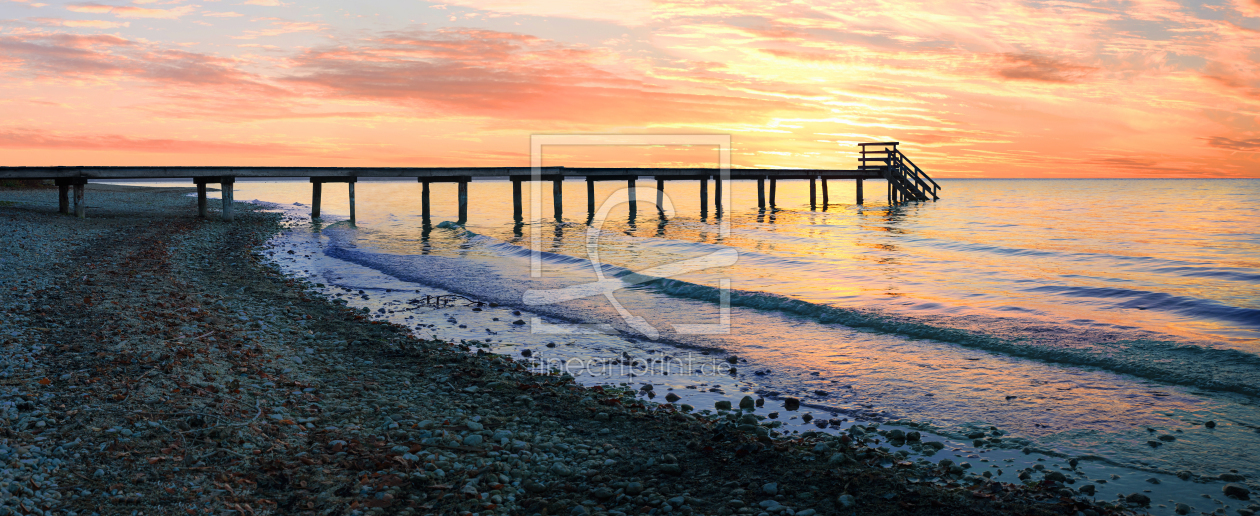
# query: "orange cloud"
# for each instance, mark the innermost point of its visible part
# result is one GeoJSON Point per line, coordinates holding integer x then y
{"type": "Point", "coordinates": [1041, 68]}
{"type": "Point", "coordinates": [43, 139]}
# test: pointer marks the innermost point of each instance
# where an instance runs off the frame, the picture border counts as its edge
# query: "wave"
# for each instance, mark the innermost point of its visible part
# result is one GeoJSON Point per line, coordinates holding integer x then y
{"type": "Point", "coordinates": [1163, 361]}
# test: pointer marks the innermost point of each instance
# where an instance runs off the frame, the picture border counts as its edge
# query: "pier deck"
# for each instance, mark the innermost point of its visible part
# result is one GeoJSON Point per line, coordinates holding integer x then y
{"type": "Point", "coordinates": [905, 181]}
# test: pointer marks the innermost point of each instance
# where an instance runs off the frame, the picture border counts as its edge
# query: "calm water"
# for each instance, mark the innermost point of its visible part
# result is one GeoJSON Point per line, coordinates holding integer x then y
{"type": "Point", "coordinates": [1082, 317]}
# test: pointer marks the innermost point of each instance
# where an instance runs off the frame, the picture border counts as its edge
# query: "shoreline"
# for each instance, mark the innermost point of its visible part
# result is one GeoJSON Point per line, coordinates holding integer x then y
{"type": "Point", "coordinates": [180, 372]}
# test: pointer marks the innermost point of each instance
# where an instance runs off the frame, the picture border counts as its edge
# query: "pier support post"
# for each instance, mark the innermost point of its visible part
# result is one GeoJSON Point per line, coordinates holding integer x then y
{"type": "Point", "coordinates": [351, 192]}
{"type": "Point", "coordinates": [590, 197]}
{"type": "Point", "coordinates": [516, 199]}
{"type": "Point", "coordinates": [634, 201]}
{"type": "Point", "coordinates": [557, 197]}
{"type": "Point", "coordinates": [660, 196]}
{"type": "Point", "coordinates": [704, 195]}
{"type": "Point", "coordinates": [80, 209]}
{"type": "Point", "coordinates": [859, 190]}
{"type": "Point", "coordinates": [717, 194]}
{"type": "Point", "coordinates": [317, 194]}
{"type": "Point", "coordinates": [63, 197]}
{"type": "Point", "coordinates": [774, 183]}
{"type": "Point", "coordinates": [225, 186]}
{"type": "Point", "coordinates": [463, 200]}
{"type": "Point", "coordinates": [761, 193]}
{"type": "Point", "coordinates": [826, 197]}
{"type": "Point", "coordinates": [424, 202]}
{"type": "Point", "coordinates": [813, 192]}
{"type": "Point", "coordinates": [201, 200]}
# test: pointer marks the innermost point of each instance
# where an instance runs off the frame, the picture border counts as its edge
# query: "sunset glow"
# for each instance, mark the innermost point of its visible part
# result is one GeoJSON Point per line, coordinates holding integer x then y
{"type": "Point", "coordinates": [1139, 88]}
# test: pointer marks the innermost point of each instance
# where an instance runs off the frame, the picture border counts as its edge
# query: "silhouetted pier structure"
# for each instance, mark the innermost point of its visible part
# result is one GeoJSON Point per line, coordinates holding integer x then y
{"type": "Point", "coordinates": [880, 160]}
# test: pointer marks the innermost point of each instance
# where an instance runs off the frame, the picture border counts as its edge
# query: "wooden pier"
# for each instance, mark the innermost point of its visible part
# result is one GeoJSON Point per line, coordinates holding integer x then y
{"type": "Point", "coordinates": [881, 160]}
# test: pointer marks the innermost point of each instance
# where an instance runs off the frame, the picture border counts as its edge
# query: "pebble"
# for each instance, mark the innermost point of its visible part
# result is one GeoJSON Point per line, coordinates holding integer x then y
{"type": "Point", "coordinates": [1238, 491]}
{"type": "Point", "coordinates": [770, 489]}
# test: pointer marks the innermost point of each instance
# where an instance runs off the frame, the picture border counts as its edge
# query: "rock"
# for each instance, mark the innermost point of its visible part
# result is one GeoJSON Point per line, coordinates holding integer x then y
{"type": "Point", "coordinates": [913, 436]}
{"type": "Point", "coordinates": [1152, 480]}
{"type": "Point", "coordinates": [561, 470]}
{"type": "Point", "coordinates": [807, 418]}
{"type": "Point", "coordinates": [634, 489]}
{"type": "Point", "coordinates": [806, 512]}
{"type": "Point", "coordinates": [519, 322]}
{"type": "Point", "coordinates": [975, 435]}
{"type": "Point", "coordinates": [671, 397]}
{"type": "Point", "coordinates": [533, 487]}
{"type": "Point", "coordinates": [474, 426]}
{"type": "Point", "coordinates": [1138, 498]}
{"type": "Point", "coordinates": [791, 403]}
{"type": "Point", "coordinates": [1167, 438]}
{"type": "Point", "coordinates": [1072, 463]}
{"type": "Point", "coordinates": [747, 403]}
{"type": "Point", "coordinates": [896, 435]}
{"type": "Point", "coordinates": [770, 489]}
{"type": "Point", "coordinates": [1056, 476]}
{"type": "Point", "coordinates": [1210, 424]}
{"type": "Point", "coordinates": [1238, 491]}
{"type": "Point", "coordinates": [1182, 508]}
{"type": "Point", "coordinates": [473, 440]}
{"type": "Point", "coordinates": [1088, 489]}
{"type": "Point", "coordinates": [670, 469]}
{"type": "Point", "coordinates": [1231, 477]}
{"type": "Point", "coordinates": [579, 510]}
{"type": "Point", "coordinates": [526, 352]}
{"type": "Point", "coordinates": [602, 493]}
{"type": "Point", "coordinates": [686, 408]}
{"type": "Point", "coordinates": [722, 405]}
{"type": "Point", "coordinates": [773, 415]}
{"type": "Point", "coordinates": [846, 501]}
{"type": "Point", "coordinates": [732, 359]}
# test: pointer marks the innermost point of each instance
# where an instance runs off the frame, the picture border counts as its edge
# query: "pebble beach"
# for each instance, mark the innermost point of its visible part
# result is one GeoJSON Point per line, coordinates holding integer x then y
{"type": "Point", "coordinates": [156, 363]}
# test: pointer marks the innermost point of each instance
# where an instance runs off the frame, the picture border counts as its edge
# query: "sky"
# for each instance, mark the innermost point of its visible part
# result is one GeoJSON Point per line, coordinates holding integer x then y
{"type": "Point", "coordinates": [1132, 88]}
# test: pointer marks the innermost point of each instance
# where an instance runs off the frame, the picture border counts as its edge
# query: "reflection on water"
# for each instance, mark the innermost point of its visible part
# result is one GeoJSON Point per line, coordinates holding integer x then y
{"type": "Point", "coordinates": [1075, 314]}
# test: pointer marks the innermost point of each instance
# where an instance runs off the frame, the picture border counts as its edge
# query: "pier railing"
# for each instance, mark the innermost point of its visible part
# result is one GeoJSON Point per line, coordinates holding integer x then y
{"type": "Point", "coordinates": [906, 181]}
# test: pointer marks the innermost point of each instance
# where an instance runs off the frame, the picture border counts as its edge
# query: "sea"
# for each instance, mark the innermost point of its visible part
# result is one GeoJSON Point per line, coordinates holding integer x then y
{"type": "Point", "coordinates": [1023, 322]}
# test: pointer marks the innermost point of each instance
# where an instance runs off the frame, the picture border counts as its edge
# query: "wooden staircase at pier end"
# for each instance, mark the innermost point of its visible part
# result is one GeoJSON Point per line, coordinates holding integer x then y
{"type": "Point", "coordinates": [906, 181]}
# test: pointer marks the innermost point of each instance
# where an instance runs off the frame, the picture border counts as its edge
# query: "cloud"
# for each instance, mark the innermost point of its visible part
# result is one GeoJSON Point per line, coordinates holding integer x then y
{"type": "Point", "coordinates": [515, 79]}
{"type": "Point", "coordinates": [283, 27]}
{"type": "Point", "coordinates": [1221, 142]}
{"type": "Point", "coordinates": [228, 14]}
{"type": "Point", "coordinates": [267, 3]}
{"type": "Point", "coordinates": [128, 11]}
{"type": "Point", "coordinates": [95, 24]}
{"type": "Point", "coordinates": [21, 138]}
{"type": "Point", "coordinates": [1040, 68]}
{"type": "Point", "coordinates": [621, 12]}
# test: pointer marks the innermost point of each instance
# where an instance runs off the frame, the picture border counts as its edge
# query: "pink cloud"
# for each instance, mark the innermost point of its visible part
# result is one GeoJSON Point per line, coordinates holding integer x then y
{"type": "Point", "coordinates": [128, 11]}
{"type": "Point", "coordinates": [43, 139]}
{"type": "Point", "coordinates": [1040, 68]}
{"type": "Point", "coordinates": [1244, 145]}
{"type": "Point", "coordinates": [512, 78]}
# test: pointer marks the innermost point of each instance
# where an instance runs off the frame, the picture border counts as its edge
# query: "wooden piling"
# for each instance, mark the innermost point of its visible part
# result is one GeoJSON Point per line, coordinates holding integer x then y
{"type": "Point", "coordinates": [634, 202]}
{"type": "Point", "coordinates": [463, 201]}
{"type": "Point", "coordinates": [660, 196]}
{"type": "Point", "coordinates": [859, 190]}
{"type": "Point", "coordinates": [225, 186]}
{"type": "Point", "coordinates": [557, 197]}
{"type": "Point", "coordinates": [80, 209]}
{"type": "Point", "coordinates": [826, 197]}
{"type": "Point", "coordinates": [351, 192]}
{"type": "Point", "coordinates": [317, 193]}
{"type": "Point", "coordinates": [774, 183]}
{"type": "Point", "coordinates": [717, 194]}
{"type": "Point", "coordinates": [590, 196]}
{"type": "Point", "coordinates": [704, 195]}
{"type": "Point", "coordinates": [202, 209]}
{"type": "Point", "coordinates": [761, 193]}
{"type": "Point", "coordinates": [63, 198]}
{"type": "Point", "coordinates": [813, 192]}
{"type": "Point", "coordinates": [516, 199]}
{"type": "Point", "coordinates": [424, 202]}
